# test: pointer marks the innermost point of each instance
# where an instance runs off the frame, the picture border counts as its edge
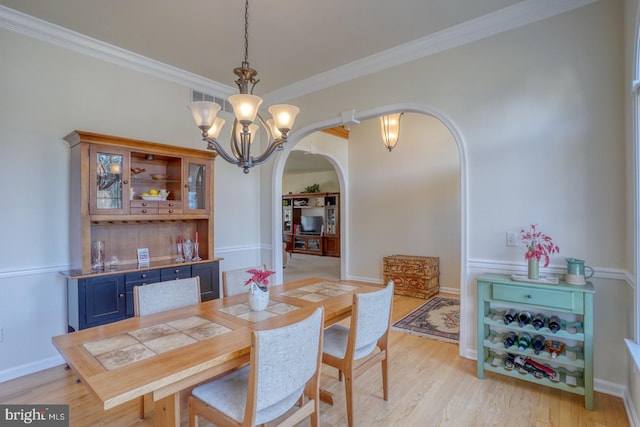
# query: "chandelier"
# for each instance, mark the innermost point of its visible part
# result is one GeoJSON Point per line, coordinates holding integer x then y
{"type": "Point", "coordinates": [390, 129]}
{"type": "Point", "coordinates": [245, 107]}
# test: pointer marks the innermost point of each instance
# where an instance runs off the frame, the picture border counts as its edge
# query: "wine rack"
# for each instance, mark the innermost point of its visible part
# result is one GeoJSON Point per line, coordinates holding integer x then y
{"type": "Point", "coordinates": [573, 368]}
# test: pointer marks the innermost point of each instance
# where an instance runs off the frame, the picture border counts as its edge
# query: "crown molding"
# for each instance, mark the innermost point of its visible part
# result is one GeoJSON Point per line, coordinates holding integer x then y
{"type": "Point", "coordinates": [508, 18]}
{"type": "Point", "coordinates": [517, 15]}
{"type": "Point", "coordinates": [50, 33]}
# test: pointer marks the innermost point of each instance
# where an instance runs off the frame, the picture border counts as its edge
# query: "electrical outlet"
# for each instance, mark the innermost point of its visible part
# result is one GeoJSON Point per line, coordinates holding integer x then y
{"type": "Point", "coordinates": [511, 238]}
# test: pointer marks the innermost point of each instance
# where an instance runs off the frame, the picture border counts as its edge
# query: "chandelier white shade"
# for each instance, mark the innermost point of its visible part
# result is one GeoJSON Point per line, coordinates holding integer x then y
{"type": "Point", "coordinates": [390, 129]}
{"type": "Point", "coordinates": [245, 125]}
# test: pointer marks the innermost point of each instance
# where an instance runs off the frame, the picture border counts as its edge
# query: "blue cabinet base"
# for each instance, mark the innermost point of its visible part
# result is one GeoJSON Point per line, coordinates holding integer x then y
{"type": "Point", "coordinates": [101, 299]}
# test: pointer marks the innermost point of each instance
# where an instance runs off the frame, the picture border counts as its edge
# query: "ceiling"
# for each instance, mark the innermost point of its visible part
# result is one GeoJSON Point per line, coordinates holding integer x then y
{"type": "Point", "coordinates": [303, 162]}
{"type": "Point", "coordinates": [289, 40]}
{"type": "Point", "coordinates": [297, 46]}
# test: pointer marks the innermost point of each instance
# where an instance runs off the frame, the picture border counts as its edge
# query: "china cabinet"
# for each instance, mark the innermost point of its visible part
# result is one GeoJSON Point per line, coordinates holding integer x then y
{"type": "Point", "coordinates": [567, 361]}
{"type": "Point", "coordinates": [133, 194]}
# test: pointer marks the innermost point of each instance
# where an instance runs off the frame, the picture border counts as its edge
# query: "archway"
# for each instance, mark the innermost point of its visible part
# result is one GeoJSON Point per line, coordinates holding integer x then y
{"type": "Point", "coordinates": [466, 303]}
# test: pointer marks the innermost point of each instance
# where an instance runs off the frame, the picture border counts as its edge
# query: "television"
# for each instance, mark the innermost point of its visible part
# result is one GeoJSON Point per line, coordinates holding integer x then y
{"type": "Point", "coordinates": [311, 224]}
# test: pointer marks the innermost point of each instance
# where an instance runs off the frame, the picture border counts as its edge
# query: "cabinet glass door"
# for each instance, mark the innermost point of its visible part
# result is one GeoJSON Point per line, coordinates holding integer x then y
{"type": "Point", "coordinates": [330, 220]}
{"type": "Point", "coordinates": [109, 183]}
{"type": "Point", "coordinates": [198, 180]}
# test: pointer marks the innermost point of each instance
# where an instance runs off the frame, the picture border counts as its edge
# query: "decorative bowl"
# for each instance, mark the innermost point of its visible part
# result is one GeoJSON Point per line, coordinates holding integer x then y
{"type": "Point", "coordinates": [154, 197]}
{"type": "Point", "coordinates": [158, 176]}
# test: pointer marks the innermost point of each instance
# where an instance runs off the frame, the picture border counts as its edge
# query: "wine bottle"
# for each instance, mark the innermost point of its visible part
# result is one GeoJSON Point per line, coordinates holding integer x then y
{"type": "Point", "coordinates": [524, 341]}
{"type": "Point", "coordinates": [538, 343]}
{"type": "Point", "coordinates": [510, 339]}
{"type": "Point", "coordinates": [524, 318]}
{"type": "Point", "coordinates": [538, 321]}
{"type": "Point", "coordinates": [554, 324]}
{"type": "Point", "coordinates": [509, 316]}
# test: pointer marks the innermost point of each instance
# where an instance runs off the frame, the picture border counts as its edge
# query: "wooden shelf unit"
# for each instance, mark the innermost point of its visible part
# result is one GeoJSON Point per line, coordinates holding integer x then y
{"type": "Point", "coordinates": [327, 205]}
{"type": "Point", "coordinates": [107, 204]}
{"type": "Point", "coordinates": [572, 303]}
{"type": "Point", "coordinates": [111, 201]}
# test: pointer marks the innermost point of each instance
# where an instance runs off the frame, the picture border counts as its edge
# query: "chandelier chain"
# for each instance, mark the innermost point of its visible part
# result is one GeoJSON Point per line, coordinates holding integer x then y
{"type": "Point", "coordinates": [246, 31]}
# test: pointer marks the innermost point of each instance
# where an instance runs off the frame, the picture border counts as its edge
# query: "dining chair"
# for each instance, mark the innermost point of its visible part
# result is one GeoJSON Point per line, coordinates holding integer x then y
{"type": "Point", "coordinates": [233, 281]}
{"type": "Point", "coordinates": [284, 367]}
{"type": "Point", "coordinates": [368, 329]}
{"type": "Point", "coordinates": [163, 296]}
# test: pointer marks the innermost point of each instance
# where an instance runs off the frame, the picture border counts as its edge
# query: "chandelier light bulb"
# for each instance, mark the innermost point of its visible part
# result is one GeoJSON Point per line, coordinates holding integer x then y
{"type": "Point", "coordinates": [204, 113]}
{"type": "Point", "coordinates": [283, 116]}
{"type": "Point", "coordinates": [216, 127]}
{"type": "Point", "coordinates": [245, 106]}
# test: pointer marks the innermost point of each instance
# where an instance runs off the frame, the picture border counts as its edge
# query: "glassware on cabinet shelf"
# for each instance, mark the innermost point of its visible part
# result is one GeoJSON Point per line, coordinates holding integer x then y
{"type": "Point", "coordinates": [180, 258]}
{"type": "Point", "coordinates": [196, 250]}
{"type": "Point", "coordinates": [187, 249]}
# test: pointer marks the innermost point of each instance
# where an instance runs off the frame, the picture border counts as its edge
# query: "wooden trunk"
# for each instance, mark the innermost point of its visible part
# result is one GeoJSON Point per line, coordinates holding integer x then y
{"type": "Point", "coordinates": [415, 276]}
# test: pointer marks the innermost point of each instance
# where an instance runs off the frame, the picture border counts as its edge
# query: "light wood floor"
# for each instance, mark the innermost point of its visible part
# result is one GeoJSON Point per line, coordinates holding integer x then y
{"type": "Point", "coordinates": [430, 385]}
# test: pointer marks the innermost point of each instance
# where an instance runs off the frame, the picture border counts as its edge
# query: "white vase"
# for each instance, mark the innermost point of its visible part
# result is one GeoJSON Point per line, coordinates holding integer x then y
{"type": "Point", "coordinates": [258, 299]}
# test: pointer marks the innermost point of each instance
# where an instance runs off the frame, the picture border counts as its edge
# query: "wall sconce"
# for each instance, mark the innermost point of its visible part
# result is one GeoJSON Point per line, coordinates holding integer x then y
{"type": "Point", "coordinates": [390, 129]}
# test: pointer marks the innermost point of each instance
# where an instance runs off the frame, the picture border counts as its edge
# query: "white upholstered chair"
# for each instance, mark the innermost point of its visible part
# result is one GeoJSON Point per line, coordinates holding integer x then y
{"type": "Point", "coordinates": [366, 338]}
{"type": "Point", "coordinates": [233, 281]}
{"type": "Point", "coordinates": [284, 366]}
{"type": "Point", "coordinates": [163, 296]}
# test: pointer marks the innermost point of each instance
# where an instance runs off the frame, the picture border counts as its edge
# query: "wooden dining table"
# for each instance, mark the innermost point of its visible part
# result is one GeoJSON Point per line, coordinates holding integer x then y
{"type": "Point", "coordinates": [166, 353]}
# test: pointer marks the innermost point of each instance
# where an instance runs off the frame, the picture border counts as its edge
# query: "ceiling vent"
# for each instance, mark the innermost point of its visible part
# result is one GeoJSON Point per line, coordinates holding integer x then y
{"type": "Point", "coordinates": [201, 96]}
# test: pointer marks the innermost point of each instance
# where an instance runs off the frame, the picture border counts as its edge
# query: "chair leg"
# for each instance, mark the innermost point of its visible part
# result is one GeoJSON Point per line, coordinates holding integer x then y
{"type": "Point", "coordinates": [385, 379]}
{"type": "Point", "coordinates": [348, 388]}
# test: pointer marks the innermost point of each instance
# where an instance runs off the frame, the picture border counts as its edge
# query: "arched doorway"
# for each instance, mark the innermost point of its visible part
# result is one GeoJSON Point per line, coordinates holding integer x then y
{"type": "Point", "coordinates": [466, 300]}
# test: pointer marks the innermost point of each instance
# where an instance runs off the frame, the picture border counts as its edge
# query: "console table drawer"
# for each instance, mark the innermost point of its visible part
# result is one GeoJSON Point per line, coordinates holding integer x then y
{"type": "Point", "coordinates": [562, 300]}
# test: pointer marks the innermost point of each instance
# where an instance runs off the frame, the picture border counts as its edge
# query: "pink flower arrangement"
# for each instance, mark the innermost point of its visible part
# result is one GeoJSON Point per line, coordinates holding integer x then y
{"type": "Point", "coordinates": [539, 245]}
{"type": "Point", "coordinates": [260, 278]}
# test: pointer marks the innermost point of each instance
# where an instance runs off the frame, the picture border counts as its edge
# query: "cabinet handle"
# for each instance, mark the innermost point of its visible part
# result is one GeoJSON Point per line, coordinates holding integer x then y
{"type": "Point", "coordinates": [121, 295]}
{"type": "Point", "coordinates": [144, 204]}
{"type": "Point", "coordinates": [170, 210]}
{"type": "Point", "coordinates": [186, 186]}
{"type": "Point", "coordinates": [529, 296]}
{"type": "Point", "coordinates": [125, 182]}
{"type": "Point", "coordinates": [177, 271]}
{"type": "Point", "coordinates": [170, 204]}
{"type": "Point", "coordinates": [144, 211]}
{"type": "Point", "coordinates": [143, 275]}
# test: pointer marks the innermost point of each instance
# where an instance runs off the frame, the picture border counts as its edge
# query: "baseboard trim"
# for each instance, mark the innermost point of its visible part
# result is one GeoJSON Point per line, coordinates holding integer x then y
{"type": "Point", "coordinates": [632, 415]}
{"type": "Point", "coordinates": [30, 368]}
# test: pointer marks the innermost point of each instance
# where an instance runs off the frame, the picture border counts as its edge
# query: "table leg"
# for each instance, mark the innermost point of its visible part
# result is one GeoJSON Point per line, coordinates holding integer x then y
{"type": "Point", "coordinates": [167, 411]}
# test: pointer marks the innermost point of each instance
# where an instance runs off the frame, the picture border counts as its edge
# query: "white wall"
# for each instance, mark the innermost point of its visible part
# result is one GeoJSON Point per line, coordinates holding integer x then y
{"type": "Point", "coordinates": [540, 110]}
{"type": "Point", "coordinates": [47, 92]}
{"type": "Point", "coordinates": [406, 201]}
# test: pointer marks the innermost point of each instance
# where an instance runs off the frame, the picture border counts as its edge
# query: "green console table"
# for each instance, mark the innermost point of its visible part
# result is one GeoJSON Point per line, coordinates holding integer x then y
{"type": "Point", "coordinates": [573, 304]}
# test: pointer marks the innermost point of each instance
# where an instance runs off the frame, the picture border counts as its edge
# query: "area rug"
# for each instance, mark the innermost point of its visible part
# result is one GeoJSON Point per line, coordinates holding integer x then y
{"type": "Point", "coordinates": [438, 318]}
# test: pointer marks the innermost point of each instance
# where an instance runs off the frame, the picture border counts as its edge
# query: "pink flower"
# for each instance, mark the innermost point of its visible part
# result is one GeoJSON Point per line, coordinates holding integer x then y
{"type": "Point", "coordinates": [538, 245]}
{"type": "Point", "coordinates": [260, 278]}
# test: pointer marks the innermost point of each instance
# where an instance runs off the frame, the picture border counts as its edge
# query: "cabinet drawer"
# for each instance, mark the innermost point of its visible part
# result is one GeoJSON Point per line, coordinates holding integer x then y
{"type": "Point", "coordinates": [173, 273]}
{"type": "Point", "coordinates": [144, 207]}
{"type": "Point", "coordinates": [168, 207]}
{"type": "Point", "coordinates": [541, 297]}
{"type": "Point", "coordinates": [141, 278]}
